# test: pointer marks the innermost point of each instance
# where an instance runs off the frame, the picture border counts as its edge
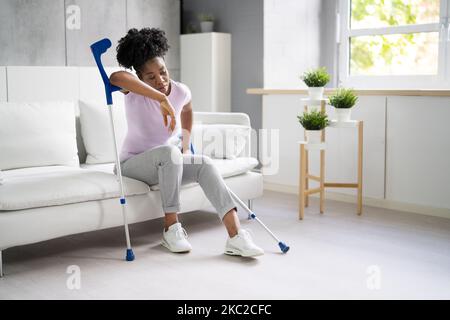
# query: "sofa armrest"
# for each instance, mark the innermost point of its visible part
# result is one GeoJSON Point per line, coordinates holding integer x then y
{"type": "Point", "coordinates": [222, 118]}
{"type": "Point", "coordinates": [227, 118]}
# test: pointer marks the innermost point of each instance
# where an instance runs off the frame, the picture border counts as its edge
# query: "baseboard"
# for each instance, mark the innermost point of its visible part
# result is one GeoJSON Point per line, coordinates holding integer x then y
{"type": "Point", "coordinates": [280, 188]}
{"type": "Point", "coordinates": [367, 201]}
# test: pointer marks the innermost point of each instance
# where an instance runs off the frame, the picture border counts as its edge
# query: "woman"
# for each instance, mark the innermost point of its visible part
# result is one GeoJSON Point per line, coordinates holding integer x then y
{"type": "Point", "coordinates": [155, 106]}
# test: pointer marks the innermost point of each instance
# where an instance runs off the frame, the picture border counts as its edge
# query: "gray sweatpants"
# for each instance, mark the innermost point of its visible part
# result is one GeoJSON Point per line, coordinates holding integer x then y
{"type": "Point", "coordinates": [167, 166]}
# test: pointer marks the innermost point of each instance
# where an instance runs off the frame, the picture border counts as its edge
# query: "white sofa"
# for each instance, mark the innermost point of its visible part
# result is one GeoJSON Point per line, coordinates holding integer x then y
{"type": "Point", "coordinates": [50, 195]}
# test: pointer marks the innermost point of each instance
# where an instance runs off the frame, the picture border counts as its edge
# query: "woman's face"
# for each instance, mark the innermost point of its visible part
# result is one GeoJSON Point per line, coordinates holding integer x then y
{"type": "Point", "coordinates": [155, 74]}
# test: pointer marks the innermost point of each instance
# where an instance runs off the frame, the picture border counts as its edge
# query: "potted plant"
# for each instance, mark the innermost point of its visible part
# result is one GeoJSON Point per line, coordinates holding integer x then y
{"type": "Point", "coordinates": [313, 122]}
{"type": "Point", "coordinates": [206, 22]}
{"type": "Point", "coordinates": [342, 101]}
{"type": "Point", "coordinates": [191, 28]}
{"type": "Point", "coordinates": [316, 80]}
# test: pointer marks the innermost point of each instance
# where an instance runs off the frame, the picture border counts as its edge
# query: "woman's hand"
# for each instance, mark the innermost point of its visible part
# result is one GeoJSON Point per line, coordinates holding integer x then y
{"type": "Point", "coordinates": [166, 111]}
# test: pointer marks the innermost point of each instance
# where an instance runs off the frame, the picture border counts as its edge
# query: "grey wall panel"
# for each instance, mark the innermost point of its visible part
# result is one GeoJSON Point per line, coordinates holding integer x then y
{"type": "Point", "coordinates": [99, 19]}
{"type": "Point", "coordinates": [42, 83]}
{"type": "Point", "coordinates": [174, 74]}
{"type": "Point", "coordinates": [328, 46]}
{"type": "Point", "coordinates": [244, 20]}
{"type": "Point", "coordinates": [163, 14]}
{"type": "Point", "coordinates": [32, 32]}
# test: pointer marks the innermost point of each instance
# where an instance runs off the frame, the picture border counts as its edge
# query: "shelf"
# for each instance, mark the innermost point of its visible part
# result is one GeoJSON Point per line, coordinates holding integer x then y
{"type": "Point", "coordinates": [343, 124]}
{"type": "Point", "coordinates": [359, 92]}
{"type": "Point", "coordinates": [310, 102]}
{"type": "Point", "coordinates": [314, 146]}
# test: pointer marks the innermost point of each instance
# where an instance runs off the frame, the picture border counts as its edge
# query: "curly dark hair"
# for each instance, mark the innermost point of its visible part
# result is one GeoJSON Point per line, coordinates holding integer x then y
{"type": "Point", "coordinates": [137, 47]}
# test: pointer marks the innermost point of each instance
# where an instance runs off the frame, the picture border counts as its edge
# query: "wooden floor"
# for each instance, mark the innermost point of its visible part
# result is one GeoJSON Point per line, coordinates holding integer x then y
{"type": "Point", "coordinates": [383, 254]}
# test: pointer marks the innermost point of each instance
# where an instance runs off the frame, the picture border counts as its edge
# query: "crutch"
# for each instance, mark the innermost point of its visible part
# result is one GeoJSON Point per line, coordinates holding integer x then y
{"type": "Point", "coordinates": [283, 247]}
{"type": "Point", "coordinates": [98, 48]}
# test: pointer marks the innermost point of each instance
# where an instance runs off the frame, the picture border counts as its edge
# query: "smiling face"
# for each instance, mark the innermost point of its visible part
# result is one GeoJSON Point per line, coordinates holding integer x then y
{"type": "Point", "coordinates": [155, 74]}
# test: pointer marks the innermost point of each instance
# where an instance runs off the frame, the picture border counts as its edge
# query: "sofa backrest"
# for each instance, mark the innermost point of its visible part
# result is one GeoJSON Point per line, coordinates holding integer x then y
{"type": "Point", "coordinates": [229, 121]}
{"type": "Point", "coordinates": [35, 83]}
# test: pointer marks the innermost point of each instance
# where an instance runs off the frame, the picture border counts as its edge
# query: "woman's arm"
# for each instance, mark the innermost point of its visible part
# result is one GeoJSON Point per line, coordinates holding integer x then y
{"type": "Point", "coordinates": [186, 125]}
{"type": "Point", "coordinates": [129, 82]}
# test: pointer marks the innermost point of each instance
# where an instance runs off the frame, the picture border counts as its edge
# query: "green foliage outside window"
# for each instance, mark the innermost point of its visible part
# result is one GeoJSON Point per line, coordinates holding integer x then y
{"type": "Point", "coordinates": [407, 53]}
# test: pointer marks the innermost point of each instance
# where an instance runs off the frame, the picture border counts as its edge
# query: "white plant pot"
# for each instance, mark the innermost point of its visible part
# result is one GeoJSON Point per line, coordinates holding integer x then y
{"type": "Point", "coordinates": [343, 114]}
{"type": "Point", "coordinates": [315, 93]}
{"type": "Point", "coordinates": [313, 136]}
{"type": "Point", "coordinates": [207, 26]}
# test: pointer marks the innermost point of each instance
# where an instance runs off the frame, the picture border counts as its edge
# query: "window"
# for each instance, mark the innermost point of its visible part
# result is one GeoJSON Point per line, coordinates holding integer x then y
{"type": "Point", "coordinates": [394, 43]}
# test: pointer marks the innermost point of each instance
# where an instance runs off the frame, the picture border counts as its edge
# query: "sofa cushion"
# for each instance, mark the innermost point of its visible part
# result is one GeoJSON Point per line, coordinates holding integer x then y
{"type": "Point", "coordinates": [96, 129]}
{"type": "Point", "coordinates": [226, 167]}
{"type": "Point", "coordinates": [37, 134]}
{"type": "Point", "coordinates": [58, 185]}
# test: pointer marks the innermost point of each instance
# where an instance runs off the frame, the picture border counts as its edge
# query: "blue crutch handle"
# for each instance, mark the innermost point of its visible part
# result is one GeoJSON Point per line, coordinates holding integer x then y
{"type": "Point", "coordinates": [98, 48]}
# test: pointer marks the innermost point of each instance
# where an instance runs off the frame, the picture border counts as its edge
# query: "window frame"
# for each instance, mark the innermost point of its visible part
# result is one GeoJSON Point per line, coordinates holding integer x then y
{"type": "Point", "coordinates": [439, 81]}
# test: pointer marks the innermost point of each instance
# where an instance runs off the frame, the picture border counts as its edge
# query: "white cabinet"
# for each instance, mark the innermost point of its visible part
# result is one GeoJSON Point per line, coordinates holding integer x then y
{"type": "Point", "coordinates": [418, 151]}
{"type": "Point", "coordinates": [206, 69]}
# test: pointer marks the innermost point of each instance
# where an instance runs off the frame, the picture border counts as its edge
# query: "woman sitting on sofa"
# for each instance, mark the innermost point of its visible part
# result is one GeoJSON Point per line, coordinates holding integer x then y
{"type": "Point", "coordinates": [155, 106]}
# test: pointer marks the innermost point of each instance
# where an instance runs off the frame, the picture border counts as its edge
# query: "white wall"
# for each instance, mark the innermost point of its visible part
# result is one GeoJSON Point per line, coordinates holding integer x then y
{"type": "Point", "coordinates": [406, 148]}
{"type": "Point", "coordinates": [291, 41]}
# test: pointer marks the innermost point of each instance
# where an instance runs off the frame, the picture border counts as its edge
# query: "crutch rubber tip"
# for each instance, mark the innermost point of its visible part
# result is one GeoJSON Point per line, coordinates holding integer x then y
{"type": "Point", "coordinates": [130, 255]}
{"type": "Point", "coordinates": [284, 248]}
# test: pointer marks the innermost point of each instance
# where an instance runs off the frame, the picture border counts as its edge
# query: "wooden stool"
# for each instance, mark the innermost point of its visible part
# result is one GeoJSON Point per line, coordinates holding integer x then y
{"type": "Point", "coordinates": [305, 176]}
{"type": "Point", "coordinates": [358, 185]}
{"type": "Point", "coordinates": [304, 190]}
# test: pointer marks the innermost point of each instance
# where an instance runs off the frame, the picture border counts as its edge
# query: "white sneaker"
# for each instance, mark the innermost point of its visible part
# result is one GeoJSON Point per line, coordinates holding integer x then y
{"type": "Point", "coordinates": [242, 245]}
{"type": "Point", "coordinates": [174, 239]}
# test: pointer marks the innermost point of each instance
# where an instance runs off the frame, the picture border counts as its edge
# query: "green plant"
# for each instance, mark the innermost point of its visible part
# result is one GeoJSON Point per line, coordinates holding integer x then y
{"type": "Point", "coordinates": [343, 98]}
{"type": "Point", "coordinates": [316, 78]}
{"type": "Point", "coordinates": [205, 17]}
{"type": "Point", "coordinates": [191, 28]}
{"type": "Point", "coordinates": [313, 120]}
